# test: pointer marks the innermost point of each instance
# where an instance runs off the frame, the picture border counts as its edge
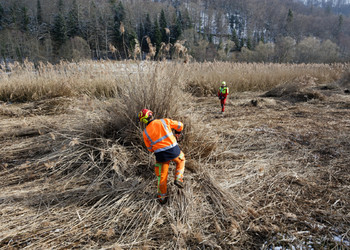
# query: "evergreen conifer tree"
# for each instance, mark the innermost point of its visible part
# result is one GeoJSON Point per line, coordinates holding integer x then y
{"type": "Point", "coordinates": [12, 14]}
{"type": "Point", "coordinates": [1, 16]}
{"type": "Point", "coordinates": [140, 31]}
{"type": "Point", "coordinates": [210, 38]}
{"type": "Point", "coordinates": [289, 21]}
{"type": "Point", "coordinates": [249, 43]}
{"type": "Point", "coordinates": [340, 22]}
{"type": "Point", "coordinates": [328, 9]}
{"type": "Point", "coordinates": [235, 39]}
{"type": "Point", "coordinates": [131, 37]}
{"type": "Point", "coordinates": [147, 31]}
{"type": "Point", "coordinates": [339, 28]}
{"type": "Point", "coordinates": [163, 25]}
{"type": "Point", "coordinates": [148, 26]}
{"type": "Point", "coordinates": [60, 6]}
{"type": "Point", "coordinates": [39, 13]}
{"type": "Point", "coordinates": [24, 19]}
{"type": "Point", "coordinates": [242, 43]}
{"type": "Point", "coordinates": [186, 20]}
{"type": "Point", "coordinates": [93, 30]}
{"type": "Point", "coordinates": [262, 37]}
{"type": "Point", "coordinates": [290, 16]}
{"type": "Point", "coordinates": [119, 16]}
{"type": "Point", "coordinates": [176, 30]}
{"type": "Point", "coordinates": [73, 21]}
{"type": "Point", "coordinates": [232, 22]}
{"type": "Point", "coordinates": [58, 29]}
{"type": "Point", "coordinates": [157, 35]}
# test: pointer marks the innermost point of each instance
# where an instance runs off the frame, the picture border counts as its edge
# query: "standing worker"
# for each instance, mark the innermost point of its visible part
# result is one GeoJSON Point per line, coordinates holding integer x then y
{"type": "Point", "coordinates": [222, 94]}
{"type": "Point", "coordinates": [158, 138]}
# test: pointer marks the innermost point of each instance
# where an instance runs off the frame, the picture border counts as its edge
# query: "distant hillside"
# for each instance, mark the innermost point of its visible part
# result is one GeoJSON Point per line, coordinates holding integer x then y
{"type": "Point", "coordinates": [336, 6]}
{"type": "Point", "coordinates": [234, 30]}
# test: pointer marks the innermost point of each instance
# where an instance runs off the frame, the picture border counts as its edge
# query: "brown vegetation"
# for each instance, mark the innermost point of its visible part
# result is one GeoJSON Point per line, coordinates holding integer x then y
{"type": "Point", "coordinates": [74, 171]}
{"type": "Point", "coordinates": [26, 82]}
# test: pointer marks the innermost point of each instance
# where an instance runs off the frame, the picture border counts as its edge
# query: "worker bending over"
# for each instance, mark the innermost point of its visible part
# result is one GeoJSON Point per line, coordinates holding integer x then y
{"type": "Point", "coordinates": [159, 138]}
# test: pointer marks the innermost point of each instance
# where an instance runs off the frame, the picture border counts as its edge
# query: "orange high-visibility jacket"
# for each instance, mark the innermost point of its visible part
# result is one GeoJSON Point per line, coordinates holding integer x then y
{"type": "Point", "coordinates": [158, 136]}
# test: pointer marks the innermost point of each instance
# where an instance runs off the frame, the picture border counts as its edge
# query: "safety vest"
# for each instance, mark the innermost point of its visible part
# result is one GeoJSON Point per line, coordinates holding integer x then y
{"type": "Point", "coordinates": [158, 136]}
{"type": "Point", "coordinates": [223, 90]}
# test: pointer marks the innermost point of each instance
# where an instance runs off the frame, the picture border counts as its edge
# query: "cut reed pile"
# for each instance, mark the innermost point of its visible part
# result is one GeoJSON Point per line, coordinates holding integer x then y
{"type": "Point", "coordinates": [257, 177]}
{"type": "Point", "coordinates": [87, 180]}
{"type": "Point", "coordinates": [299, 90]}
{"type": "Point", "coordinates": [305, 88]}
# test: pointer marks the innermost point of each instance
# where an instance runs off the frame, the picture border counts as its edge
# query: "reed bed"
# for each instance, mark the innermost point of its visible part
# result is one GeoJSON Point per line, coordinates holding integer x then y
{"type": "Point", "coordinates": [206, 77]}
{"type": "Point", "coordinates": [75, 167]}
{"type": "Point", "coordinates": [29, 82]}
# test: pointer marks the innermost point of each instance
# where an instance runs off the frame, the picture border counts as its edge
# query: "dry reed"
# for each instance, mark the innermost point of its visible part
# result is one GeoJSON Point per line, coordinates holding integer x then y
{"type": "Point", "coordinates": [204, 78]}
{"type": "Point", "coordinates": [98, 156]}
{"type": "Point", "coordinates": [27, 82]}
{"type": "Point", "coordinates": [272, 175]}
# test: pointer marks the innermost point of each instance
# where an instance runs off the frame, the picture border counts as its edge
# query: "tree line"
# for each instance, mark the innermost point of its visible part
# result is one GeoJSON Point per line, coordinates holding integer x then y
{"type": "Point", "coordinates": [86, 31]}
{"type": "Point", "coordinates": [234, 30]}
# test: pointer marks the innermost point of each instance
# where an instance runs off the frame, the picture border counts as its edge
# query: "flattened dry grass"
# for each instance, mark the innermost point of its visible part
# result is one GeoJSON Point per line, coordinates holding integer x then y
{"type": "Point", "coordinates": [92, 179]}
{"type": "Point", "coordinates": [287, 163]}
{"type": "Point", "coordinates": [257, 177]}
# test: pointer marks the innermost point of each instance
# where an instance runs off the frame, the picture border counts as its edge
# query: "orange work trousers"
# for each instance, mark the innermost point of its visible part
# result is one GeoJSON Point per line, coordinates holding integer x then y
{"type": "Point", "coordinates": [161, 170]}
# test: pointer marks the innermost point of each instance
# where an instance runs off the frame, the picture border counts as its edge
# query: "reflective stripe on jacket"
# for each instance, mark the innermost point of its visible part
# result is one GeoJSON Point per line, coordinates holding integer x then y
{"type": "Point", "coordinates": [158, 136]}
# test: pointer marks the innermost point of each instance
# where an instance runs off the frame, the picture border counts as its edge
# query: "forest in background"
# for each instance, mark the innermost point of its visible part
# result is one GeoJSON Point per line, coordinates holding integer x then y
{"type": "Point", "coordinates": [282, 31]}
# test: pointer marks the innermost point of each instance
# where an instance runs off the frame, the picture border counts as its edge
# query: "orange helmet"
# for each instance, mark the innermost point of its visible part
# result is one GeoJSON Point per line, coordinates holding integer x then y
{"type": "Point", "coordinates": [145, 116]}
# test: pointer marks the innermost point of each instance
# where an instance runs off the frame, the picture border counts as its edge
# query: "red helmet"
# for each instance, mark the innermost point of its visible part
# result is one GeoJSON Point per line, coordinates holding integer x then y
{"type": "Point", "coordinates": [145, 116]}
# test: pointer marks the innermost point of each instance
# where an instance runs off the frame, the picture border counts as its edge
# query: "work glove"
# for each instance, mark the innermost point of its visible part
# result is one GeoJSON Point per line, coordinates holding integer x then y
{"type": "Point", "coordinates": [178, 135]}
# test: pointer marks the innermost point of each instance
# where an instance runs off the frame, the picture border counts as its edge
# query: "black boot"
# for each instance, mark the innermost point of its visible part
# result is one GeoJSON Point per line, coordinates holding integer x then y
{"type": "Point", "coordinates": [162, 201]}
{"type": "Point", "coordinates": [179, 184]}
